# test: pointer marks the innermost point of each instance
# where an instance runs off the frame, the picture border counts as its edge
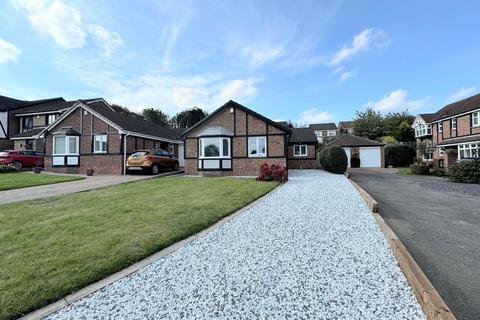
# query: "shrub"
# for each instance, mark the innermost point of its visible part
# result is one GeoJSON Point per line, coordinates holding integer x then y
{"type": "Point", "coordinates": [7, 168]}
{"type": "Point", "coordinates": [333, 159]}
{"type": "Point", "coordinates": [439, 172]}
{"type": "Point", "coordinates": [355, 162]}
{"type": "Point", "coordinates": [399, 155]}
{"type": "Point", "coordinates": [467, 171]}
{"type": "Point", "coordinates": [273, 172]}
{"type": "Point", "coordinates": [420, 169]}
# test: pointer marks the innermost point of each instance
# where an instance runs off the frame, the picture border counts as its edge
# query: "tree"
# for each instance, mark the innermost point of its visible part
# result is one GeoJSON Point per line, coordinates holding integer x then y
{"type": "Point", "coordinates": [156, 116]}
{"type": "Point", "coordinates": [399, 126]}
{"type": "Point", "coordinates": [126, 111]}
{"type": "Point", "coordinates": [368, 124]}
{"type": "Point", "coordinates": [188, 118]}
{"type": "Point", "coordinates": [405, 132]}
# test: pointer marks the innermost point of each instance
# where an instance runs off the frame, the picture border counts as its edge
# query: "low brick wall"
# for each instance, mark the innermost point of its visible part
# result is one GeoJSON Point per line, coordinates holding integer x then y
{"type": "Point", "coordinates": [302, 164]}
{"type": "Point", "coordinates": [241, 167]}
{"type": "Point", "coordinates": [111, 164]}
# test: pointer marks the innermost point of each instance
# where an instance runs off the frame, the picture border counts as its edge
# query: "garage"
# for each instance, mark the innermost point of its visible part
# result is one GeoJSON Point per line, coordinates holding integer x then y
{"type": "Point", "coordinates": [371, 153]}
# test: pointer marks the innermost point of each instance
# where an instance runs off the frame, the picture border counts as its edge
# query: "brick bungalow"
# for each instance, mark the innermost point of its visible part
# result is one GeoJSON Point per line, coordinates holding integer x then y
{"type": "Point", "coordinates": [302, 149]}
{"type": "Point", "coordinates": [234, 141]}
{"type": "Point", "coordinates": [95, 136]}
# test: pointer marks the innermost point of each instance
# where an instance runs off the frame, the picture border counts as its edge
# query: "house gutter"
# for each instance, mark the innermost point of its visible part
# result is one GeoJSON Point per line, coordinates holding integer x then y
{"type": "Point", "coordinates": [125, 153]}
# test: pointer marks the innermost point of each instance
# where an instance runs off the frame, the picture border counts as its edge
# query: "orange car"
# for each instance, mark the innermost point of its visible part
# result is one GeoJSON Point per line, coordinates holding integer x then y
{"type": "Point", "coordinates": [151, 161]}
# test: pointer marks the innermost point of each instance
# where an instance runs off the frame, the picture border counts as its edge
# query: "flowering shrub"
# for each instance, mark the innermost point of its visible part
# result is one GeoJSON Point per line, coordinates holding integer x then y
{"type": "Point", "coordinates": [7, 168]}
{"type": "Point", "coordinates": [273, 172]}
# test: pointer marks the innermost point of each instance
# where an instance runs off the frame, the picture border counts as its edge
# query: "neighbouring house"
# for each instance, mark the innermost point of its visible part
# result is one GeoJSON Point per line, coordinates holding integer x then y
{"type": "Point", "coordinates": [423, 134]}
{"type": "Point", "coordinates": [302, 149]}
{"type": "Point", "coordinates": [92, 135]}
{"type": "Point", "coordinates": [345, 127]}
{"type": "Point", "coordinates": [371, 153]}
{"type": "Point", "coordinates": [325, 132]}
{"type": "Point", "coordinates": [234, 141]}
{"type": "Point", "coordinates": [454, 131]}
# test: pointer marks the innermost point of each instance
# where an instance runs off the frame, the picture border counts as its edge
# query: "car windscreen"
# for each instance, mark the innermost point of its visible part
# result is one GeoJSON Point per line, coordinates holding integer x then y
{"type": "Point", "coordinates": [138, 154]}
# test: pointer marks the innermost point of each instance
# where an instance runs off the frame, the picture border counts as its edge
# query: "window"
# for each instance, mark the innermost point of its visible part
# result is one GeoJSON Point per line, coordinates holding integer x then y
{"type": "Point", "coordinates": [331, 133]}
{"type": "Point", "coordinates": [299, 150]}
{"type": "Point", "coordinates": [100, 143]}
{"type": "Point", "coordinates": [51, 118]}
{"type": "Point", "coordinates": [476, 119]}
{"type": "Point", "coordinates": [65, 145]}
{"type": "Point", "coordinates": [441, 152]}
{"type": "Point", "coordinates": [423, 130]}
{"type": "Point", "coordinates": [29, 144]}
{"type": "Point", "coordinates": [27, 123]}
{"type": "Point", "coordinates": [440, 127]}
{"type": "Point", "coordinates": [469, 150]}
{"type": "Point", "coordinates": [217, 147]}
{"type": "Point", "coordinates": [257, 146]}
{"type": "Point", "coordinates": [454, 124]}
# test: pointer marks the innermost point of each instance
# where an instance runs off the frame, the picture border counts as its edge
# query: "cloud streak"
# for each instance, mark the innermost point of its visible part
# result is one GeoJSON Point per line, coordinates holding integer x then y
{"type": "Point", "coordinates": [462, 93]}
{"type": "Point", "coordinates": [8, 52]}
{"type": "Point", "coordinates": [397, 101]}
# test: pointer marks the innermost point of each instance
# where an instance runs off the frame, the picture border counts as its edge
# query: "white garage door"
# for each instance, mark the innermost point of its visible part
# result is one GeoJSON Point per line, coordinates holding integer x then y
{"type": "Point", "coordinates": [347, 151]}
{"type": "Point", "coordinates": [370, 157]}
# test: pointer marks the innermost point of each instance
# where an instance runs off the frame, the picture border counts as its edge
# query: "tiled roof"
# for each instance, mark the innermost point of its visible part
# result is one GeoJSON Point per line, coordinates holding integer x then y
{"type": "Point", "coordinates": [350, 140]}
{"type": "Point", "coordinates": [7, 103]}
{"type": "Point", "coordinates": [460, 140]}
{"type": "Point", "coordinates": [323, 126]}
{"type": "Point", "coordinates": [305, 135]}
{"type": "Point", "coordinates": [458, 107]}
{"type": "Point", "coordinates": [428, 117]}
{"type": "Point", "coordinates": [27, 134]}
{"type": "Point", "coordinates": [346, 124]}
{"type": "Point", "coordinates": [50, 105]}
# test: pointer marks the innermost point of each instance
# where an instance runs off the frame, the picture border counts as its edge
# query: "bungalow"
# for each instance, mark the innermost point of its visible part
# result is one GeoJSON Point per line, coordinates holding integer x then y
{"type": "Point", "coordinates": [453, 131]}
{"type": "Point", "coordinates": [92, 135]}
{"type": "Point", "coordinates": [371, 153]}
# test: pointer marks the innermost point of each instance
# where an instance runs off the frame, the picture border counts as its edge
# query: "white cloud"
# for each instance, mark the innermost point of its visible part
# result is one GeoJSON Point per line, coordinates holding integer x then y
{"type": "Point", "coordinates": [462, 93]}
{"type": "Point", "coordinates": [261, 53]}
{"type": "Point", "coordinates": [8, 51]}
{"type": "Point", "coordinates": [106, 40]}
{"type": "Point", "coordinates": [397, 101]}
{"type": "Point", "coordinates": [346, 75]}
{"type": "Point", "coordinates": [364, 41]}
{"type": "Point", "coordinates": [314, 116]}
{"type": "Point", "coordinates": [63, 23]}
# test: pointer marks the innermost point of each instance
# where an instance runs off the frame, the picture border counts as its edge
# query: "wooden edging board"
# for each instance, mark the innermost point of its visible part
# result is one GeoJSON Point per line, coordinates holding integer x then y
{"type": "Point", "coordinates": [428, 297]}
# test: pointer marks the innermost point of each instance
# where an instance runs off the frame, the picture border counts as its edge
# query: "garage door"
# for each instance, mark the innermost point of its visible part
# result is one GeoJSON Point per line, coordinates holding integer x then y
{"type": "Point", "coordinates": [370, 157]}
{"type": "Point", "coordinates": [347, 151]}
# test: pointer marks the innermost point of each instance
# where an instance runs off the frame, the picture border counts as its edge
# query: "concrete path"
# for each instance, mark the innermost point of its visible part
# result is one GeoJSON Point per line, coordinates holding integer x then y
{"type": "Point", "coordinates": [310, 250]}
{"type": "Point", "coordinates": [62, 188]}
{"type": "Point", "coordinates": [439, 223]}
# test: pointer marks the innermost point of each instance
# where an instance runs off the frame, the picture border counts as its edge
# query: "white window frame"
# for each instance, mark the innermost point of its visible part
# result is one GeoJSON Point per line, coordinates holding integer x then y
{"type": "Point", "coordinates": [67, 146]}
{"type": "Point", "coordinates": [201, 143]}
{"type": "Point", "coordinates": [101, 136]}
{"type": "Point", "coordinates": [258, 154]}
{"type": "Point", "coordinates": [54, 116]}
{"type": "Point", "coordinates": [476, 119]}
{"type": "Point", "coordinates": [469, 147]}
{"type": "Point", "coordinates": [441, 152]}
{"type": "Point", "coordinates": [453, 124]}
{"type": "Point", "coordinates": [440, 127]}
{"type": "Point", "coordinates": [300, 153]}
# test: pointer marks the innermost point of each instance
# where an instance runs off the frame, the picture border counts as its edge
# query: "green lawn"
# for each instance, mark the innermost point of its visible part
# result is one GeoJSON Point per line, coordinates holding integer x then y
{"type": "Point", "coordinates": [54, 246]}
{"type": "Point", "coordinates": [404, 171]}
{"type": "Point", "coordinates": [17, 180]}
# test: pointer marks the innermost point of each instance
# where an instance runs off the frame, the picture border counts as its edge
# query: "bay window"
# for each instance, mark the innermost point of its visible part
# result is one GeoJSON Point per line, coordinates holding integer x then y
{"type": "Point", "coordinates": [214, 147]}
{"type": "Point", "coordinates": [299, 150]}
{"type": "Point", "coordinates": [100, 143]}
{"type": "Point", "coordinates": [257, 146]}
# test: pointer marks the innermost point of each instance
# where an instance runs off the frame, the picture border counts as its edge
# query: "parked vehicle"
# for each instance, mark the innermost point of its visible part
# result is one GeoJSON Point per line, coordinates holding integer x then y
{"type": "Point", "coordinates": [151, 161]}
{"type": "Point", "coordinates": [21, 158]}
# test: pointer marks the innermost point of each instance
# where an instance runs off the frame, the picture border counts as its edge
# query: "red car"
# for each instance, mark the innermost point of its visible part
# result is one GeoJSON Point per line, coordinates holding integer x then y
{"type": "Point", "coordinates": [21, 158]}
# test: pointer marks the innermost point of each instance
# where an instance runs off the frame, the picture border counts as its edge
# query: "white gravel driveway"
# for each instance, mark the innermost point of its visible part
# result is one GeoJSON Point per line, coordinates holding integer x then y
{"type": "Point", "coordinates": [310, 250]}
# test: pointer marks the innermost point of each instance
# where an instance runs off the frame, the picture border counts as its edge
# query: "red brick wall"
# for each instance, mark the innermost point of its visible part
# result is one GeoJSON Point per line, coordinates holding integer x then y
{"type": "Point", "coordinates": [241, 167]}
{"type": "Point", "coordinates": [305, 162]}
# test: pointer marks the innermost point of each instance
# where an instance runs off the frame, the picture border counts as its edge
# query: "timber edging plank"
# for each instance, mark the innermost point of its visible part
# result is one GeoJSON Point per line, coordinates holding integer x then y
{"type": "Point", "coordinates": [428, 297]}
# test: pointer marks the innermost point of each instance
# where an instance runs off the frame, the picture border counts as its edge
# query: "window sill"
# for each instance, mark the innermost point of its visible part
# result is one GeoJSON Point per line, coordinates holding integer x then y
{"type": "Point", "coordinates": [300, 156]}
{"type": "Point", "coordinates": [262, 156]}
{"type": "Point", "coordinates": [99, 152]}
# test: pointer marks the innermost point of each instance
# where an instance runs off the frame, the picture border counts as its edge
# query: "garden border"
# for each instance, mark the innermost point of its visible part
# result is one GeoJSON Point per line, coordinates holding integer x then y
{"type": "Point", "coordinates": [75, 296]}
{"type": "Point", "coordinates": [428, 297]}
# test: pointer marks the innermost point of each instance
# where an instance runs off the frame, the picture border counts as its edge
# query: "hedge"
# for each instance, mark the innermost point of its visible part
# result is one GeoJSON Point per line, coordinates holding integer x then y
{"type": "Point", "coordinates": [420, 169]}
{"type": "Point", "coordinates": [333, 159]}
{"type": "Point", "coordinates": [467, 171]}
{"type": "Point", "coordinates": [399, 155]}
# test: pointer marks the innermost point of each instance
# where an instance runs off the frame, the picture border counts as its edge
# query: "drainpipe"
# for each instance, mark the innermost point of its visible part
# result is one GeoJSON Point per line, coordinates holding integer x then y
{"type": "Point", "coordinates": [125, 154]}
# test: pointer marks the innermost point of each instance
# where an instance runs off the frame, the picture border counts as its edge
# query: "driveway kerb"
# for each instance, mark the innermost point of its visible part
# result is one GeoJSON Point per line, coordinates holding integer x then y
{"type": "Point", "coordinates": [69, 299]}
{"type": "Point", "coordinates": [428, 297]}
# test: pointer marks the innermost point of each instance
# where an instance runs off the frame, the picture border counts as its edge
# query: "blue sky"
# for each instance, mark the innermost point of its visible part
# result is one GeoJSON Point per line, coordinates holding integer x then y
{"type": "Point", "coordinates": [306, 61]}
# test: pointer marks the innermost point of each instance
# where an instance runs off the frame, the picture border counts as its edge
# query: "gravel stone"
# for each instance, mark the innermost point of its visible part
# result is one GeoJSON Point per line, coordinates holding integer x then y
{"type": "Point", "coordinates": [466, 189]}
{"type": "Point", "coordinates": [310, 250]}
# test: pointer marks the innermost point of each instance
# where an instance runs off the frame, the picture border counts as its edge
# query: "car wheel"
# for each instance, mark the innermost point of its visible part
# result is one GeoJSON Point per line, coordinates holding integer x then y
{"type": "Point", "coordinates": [17, 165]}
{"type": "Point", "coordinates": [155, 169]}
{"type": "Point", "coordinates": [175, 166]}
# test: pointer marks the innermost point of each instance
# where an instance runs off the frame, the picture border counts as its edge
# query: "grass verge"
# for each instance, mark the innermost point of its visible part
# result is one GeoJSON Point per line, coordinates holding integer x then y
{"type": "Point", "coordinates": [54, 246]}
{"type": "Point", "coordinates": [18, 180]}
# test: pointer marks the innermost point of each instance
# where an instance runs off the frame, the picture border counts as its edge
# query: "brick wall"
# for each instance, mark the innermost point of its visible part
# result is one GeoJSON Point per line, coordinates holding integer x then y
{"type": "Point", "coordinates": [303, 162]}
{"type": "Point", "coordinates": [241, 167]}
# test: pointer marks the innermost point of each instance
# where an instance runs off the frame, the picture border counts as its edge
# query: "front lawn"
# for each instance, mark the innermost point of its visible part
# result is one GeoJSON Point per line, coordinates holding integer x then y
{"type": "Point", "coordinates": [17, 180]}
{"type": "Point", "coordinates": [404, 171]}
{"type": "Point", "coordinates": [54, 246]}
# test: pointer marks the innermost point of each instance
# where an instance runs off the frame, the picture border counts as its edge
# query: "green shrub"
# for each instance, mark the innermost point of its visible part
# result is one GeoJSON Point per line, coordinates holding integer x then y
{"type": "Point", "coordinates": [355, 162]}
{"type": "Point", "coordinates": [7, 168]}
{"type": "Point", "coordinates": [439, 172]}
{"type": "Point", "coordinates": [420, 169]}
{"type": "Point", "coordinates": [399, 155]}
{"type": "Point", "coordinates": [333, 159]}
{"type": "Point", "coordinates": [467, 171]}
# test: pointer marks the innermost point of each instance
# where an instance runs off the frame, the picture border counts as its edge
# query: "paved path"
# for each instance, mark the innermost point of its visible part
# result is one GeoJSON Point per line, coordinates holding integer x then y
{"type": "Point", "coordinates": [62, 188]}
{"type": "Point", "coordinates": [439, 223]}
{"type": "Point", "coordinates": [309, 250]}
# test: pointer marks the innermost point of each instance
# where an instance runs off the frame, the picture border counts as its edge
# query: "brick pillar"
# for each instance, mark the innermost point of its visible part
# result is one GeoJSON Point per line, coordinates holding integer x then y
{"type": "Point", "coordinates": [450, 158]}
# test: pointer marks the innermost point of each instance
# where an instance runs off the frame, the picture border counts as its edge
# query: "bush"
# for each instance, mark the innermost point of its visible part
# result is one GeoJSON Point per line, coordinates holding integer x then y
{"type": "Point", "coordinates": [439, 172]}
{"type": "Point", "coordinates": [273, 172]}
{"type": "Point", "coordinates": [7, 168]}
{"type": "Point", "coordinates": [420, 169]}
{"type": "Point", "coordinates": [399, 155]}
{"type": "Point", "coordinates": [333, 159]}
{"type": "Point", "coordinates": [355, 162]}
{"type": "Point", "coordinates": [467, 171]}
